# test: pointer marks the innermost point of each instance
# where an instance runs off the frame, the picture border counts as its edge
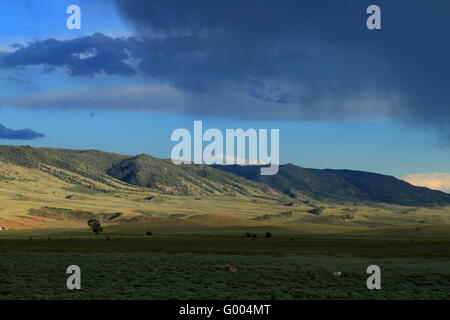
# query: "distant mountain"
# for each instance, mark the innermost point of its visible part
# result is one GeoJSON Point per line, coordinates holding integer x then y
{"type": "Point", "coordinates": [162, 175]}
{"type": "Point", "coordinates": [341, 185]}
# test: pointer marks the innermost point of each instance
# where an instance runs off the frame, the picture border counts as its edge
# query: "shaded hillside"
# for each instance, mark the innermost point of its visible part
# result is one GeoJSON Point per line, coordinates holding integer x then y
{"type": "Point", "coordinates": [150, 172]}
{"type": "Point", "coordinates": [342, 185]}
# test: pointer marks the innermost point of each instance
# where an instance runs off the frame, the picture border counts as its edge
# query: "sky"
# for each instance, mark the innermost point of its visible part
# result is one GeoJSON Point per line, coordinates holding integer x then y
{"type": "Point", "coordinates": [343, 96]}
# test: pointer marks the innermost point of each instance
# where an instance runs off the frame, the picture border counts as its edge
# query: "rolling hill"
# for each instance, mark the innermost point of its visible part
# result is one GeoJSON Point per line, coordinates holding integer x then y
{"type": "Point", "coordinates": [135, 171]}
{"type": "Point", "coordinates": [160, 175]}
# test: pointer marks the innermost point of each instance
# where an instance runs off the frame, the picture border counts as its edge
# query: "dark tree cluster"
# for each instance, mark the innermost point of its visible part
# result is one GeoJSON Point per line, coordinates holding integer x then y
{"type": "Point", "coordinates": [95, 226]}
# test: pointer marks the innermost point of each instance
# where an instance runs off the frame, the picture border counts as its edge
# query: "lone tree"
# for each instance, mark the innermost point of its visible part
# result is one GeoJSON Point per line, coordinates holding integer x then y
{"type": "Point", "coordinates": [268, 235]}
{"type": "Point", "coordinates": [95, 225]}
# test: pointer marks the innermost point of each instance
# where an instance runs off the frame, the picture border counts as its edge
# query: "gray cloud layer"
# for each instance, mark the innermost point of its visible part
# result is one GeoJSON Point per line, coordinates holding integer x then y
{"type": "Point", "coordinates": [284, 59]}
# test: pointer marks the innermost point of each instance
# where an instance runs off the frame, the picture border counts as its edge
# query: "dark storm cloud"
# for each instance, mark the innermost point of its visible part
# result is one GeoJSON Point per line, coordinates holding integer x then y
{"type": "Point", "coordinates": [83, 56]}
{"type": "Point", "coordinates": [318, 55]}
{"type": "Point", "coordinates": [314, 58]}
{"type": "Point", "coordinates": [24, 134]}
{"type": "Point", "coordinates": [285, 59]}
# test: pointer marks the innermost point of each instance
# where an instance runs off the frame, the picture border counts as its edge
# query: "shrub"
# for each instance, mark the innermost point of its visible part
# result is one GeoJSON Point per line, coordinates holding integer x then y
{"type": "Point", "coordinates": [248, 235]}
{"type": "Point", "coordinates": [149, 233]}
{"type": "Point", "coordinates": [268, 235]}
{"type": "Point", "coordinates": [316, 211]}
{"type": "Point", "coordinates": [95, 225]}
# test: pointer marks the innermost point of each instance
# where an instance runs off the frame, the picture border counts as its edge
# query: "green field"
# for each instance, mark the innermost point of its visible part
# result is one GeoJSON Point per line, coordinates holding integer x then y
{"type": "Point", "coordinates": [202, 276]}
{"type": "Point", "coordinates": [192, 267]}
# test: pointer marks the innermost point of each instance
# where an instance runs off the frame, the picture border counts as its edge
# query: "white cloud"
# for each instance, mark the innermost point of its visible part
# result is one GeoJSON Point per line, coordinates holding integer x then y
{"type": "Point", "coordinates": [7, 49]}
{"type": "Point", "coordinates": [436, 181]}
{"type": "Point", "coordinates": [91, 53]}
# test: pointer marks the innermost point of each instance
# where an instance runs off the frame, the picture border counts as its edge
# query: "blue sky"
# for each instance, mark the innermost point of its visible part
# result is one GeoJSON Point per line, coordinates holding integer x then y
{"type": "Point", "coordinates": [341, 95]}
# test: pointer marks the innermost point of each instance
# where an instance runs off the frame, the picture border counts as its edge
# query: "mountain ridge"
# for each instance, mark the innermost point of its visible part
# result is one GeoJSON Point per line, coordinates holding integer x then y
{"type": "Point", "coordinates": [342, 185]}
{"type": "Point", "coordinates": [328, 185]}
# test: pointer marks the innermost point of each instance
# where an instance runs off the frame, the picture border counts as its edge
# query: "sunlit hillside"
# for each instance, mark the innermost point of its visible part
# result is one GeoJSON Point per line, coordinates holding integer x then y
{"type": "Point", "coordinates": [43, 193]}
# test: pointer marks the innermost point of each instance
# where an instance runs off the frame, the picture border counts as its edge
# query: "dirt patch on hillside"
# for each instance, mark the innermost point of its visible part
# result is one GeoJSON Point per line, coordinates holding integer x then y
{"type": "Point", "coordinates": [22, 223]}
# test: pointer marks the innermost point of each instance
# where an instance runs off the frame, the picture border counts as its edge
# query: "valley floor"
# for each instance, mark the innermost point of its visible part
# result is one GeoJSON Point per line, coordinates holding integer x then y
{"type": "Point", "coordinates": [202, 276]}
{"type": "Point", "coordinates": [161, 246]}
{"type": "Point", "coordinates": [193, 267]}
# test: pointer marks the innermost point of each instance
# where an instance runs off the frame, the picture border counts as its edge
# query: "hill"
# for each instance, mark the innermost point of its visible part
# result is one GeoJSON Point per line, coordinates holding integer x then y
{"type": "Point", "coordinates": [160, 175]}
{"type": "Point", "coordinates": [342, 185]}
{"type": "Point", "coordinates": [134, 171]}
{"type": "Point", "coordinates": [44, 188]}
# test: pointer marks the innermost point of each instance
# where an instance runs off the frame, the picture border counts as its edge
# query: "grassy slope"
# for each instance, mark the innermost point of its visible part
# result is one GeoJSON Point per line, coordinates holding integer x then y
{"type": "Point", "coordinates": [143, 171]}
{"type": "Point", "coordinates": [163, 175]}
{"type": "Point", "coordinates": [22, 189]}
{"type": "Point", "coordinates": [79, 174]}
